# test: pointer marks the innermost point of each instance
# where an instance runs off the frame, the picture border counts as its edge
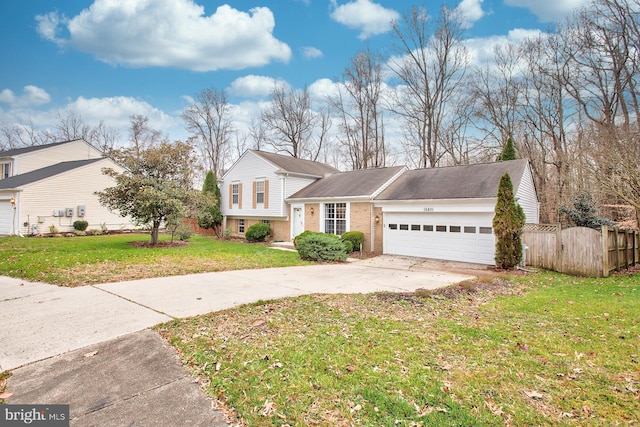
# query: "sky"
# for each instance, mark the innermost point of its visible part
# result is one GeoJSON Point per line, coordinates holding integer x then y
{"type": "Point", "coordinates": [105, 60]}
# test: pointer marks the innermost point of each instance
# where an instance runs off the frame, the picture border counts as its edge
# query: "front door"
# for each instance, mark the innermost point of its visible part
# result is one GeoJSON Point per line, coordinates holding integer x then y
{"type": "Point", "coordinates": [298, 221]}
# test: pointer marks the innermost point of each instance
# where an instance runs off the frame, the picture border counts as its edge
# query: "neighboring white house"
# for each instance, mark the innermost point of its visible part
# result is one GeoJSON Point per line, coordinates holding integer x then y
{"type": "Point", "coordinates": [54, 184]}
{"type": "Point", "coordinates": [442, 213]}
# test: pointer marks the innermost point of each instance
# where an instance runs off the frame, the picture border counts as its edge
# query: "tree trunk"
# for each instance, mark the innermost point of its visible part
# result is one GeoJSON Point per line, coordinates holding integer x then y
{"type": "Point", "coordinates": [154, 233]}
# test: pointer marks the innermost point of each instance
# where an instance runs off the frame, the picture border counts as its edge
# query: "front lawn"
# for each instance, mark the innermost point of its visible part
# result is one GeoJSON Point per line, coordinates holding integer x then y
{"type": "Point", "coordinates": [542, 349]}
{"type": "Point", "coordinates": [76, 261]}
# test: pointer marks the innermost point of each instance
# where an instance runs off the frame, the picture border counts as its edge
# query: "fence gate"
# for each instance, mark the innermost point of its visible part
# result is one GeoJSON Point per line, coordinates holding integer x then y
{"type": "Point", "coordinates": [581, 251]}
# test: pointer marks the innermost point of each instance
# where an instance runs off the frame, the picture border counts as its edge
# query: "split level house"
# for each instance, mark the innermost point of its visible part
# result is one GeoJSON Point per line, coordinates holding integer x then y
{"type": "Point", "coordinates": [442, 213]}
{"type": "Point", "coordinates": [55, 184]}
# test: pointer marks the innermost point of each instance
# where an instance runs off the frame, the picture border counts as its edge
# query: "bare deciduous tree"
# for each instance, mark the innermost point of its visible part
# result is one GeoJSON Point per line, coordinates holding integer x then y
{"type": "Point", "coordinates": [17, 135]}
{"type": "Point", "coordinates": [358, 106]}
{"type": "Point", "coordinates": [209, 120]}
{"type": "Point", "coordinates": [496, 90]}
{"type": "Point", "coordinates": [292, 126]}
{"type": "Point", "coordinates": [141, 135]}
{"type": "Point", "coordinates": [431, 67]}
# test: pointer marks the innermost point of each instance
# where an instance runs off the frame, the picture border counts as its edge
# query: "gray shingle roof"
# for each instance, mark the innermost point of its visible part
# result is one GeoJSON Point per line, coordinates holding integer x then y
{"type": "Point", "coordinates": [455, 182]}
{"type": "Point", "coordinates": [22, 150]}
{"type": "Point", "coordinates": [363, 182]}
{"type": "Point", "coordinates": [20, 180]}
{"type": "Point", "coordinates": [295, 165]}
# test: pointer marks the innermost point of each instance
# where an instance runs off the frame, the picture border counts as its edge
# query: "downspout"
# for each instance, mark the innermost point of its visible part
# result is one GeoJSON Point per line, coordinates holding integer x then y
{"type": "Point", "coordinates": [373, 225]}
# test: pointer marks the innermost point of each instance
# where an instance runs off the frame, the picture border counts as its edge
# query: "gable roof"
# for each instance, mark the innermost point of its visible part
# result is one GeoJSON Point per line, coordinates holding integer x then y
{"type": "Point", "coordinates": [455, 182]}
{"type": "Point", "coordinates": [359, 183]}
{"type": "Point", "coordinates": [20, 180]}
{"type": "Point", "coordinates": [23, 150]}
{"type": "Point", "coordinates": [288, 164]}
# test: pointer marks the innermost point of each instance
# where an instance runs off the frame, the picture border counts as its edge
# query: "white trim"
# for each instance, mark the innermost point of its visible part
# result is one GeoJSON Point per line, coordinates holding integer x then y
{"type": "Point", "coordinates": [347, 215]}
{"type": "Point", "coordinates": [292, 229]}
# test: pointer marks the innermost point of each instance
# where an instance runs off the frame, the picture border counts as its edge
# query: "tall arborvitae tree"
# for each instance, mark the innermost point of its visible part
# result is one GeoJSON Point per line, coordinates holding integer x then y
{"type": "Point", "coordinates": [507, 226]}
{"type": "Point", "coordinates": [508, 151]}
{"type": "Point", "coordinates": [210, 216]}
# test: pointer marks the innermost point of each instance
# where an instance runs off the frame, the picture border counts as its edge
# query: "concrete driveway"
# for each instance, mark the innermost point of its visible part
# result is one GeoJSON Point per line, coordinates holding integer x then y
{"type": "Point", "coordinates": [39, 321]}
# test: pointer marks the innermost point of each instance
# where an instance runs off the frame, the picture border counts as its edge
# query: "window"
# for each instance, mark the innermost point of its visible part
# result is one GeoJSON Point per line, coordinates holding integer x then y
{"type": "Point", "coordinates": [415, 227]}
{"type": "Point", "coordinates": [469, 229]}
{"type": "Point", "coordinates": [266, 221]}
{"type": "Point", "coordinates": [335, 218]}
{"type": "Point", "coordinates": [260, 192]}
{"type": "Point", "coordinates": [393, 226]}
{"type": "Point", "coordinates": [5, 170]}
{"type": "Point", "coordinates": [441, 228]}
{"type": "Point", "coordinates": [454, 228]}
{"type": "Point", "coordinates": [486, 230]}
{"type": "Point", "coordinates": [427, 228]}
{"type": "Point", "coordinates": [241, 226]}
{"type": "Point", "coordinates": [235, 193]}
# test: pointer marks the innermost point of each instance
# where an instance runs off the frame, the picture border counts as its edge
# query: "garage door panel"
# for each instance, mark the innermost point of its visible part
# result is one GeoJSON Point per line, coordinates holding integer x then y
{"type": "Point", "coordinates": [456, 244]}
{"type": "Point", "coordinates": [6, 218]}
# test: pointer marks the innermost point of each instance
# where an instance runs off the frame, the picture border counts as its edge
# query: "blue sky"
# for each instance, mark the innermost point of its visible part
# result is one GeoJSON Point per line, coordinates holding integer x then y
{"type": "Point", "coordinates": [108, 59]}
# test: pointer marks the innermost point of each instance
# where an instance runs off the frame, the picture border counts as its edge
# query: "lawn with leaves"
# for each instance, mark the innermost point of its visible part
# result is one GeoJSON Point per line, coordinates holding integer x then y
{"type": "Point", "coordinates": [540, 349]}
{"type": "Point", "coordinates": [77, 261]}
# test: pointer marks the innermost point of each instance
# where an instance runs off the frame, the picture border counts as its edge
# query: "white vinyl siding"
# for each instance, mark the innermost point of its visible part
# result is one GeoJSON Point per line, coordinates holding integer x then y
{"type": "Point", "coordinates": [251, 169]}
{"type": "Point", "coordinates": [526, 196]}
{"type": "Point", "coordinates": [69, 190]}
{"type": "Point", "coordinates": [38, 159]}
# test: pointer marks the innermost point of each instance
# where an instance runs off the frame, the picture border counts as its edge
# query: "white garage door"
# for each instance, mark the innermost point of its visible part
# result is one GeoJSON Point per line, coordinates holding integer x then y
{"type": "Point", "coordinates": [453, 236]}
{"type": "Point", "coordinates": [6, 218]}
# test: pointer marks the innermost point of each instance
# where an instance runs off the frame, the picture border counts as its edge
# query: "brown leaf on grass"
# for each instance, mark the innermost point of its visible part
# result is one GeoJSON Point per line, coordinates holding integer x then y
{"type": "Point", "coordinates": [268, 409]}
{"type": "Point", "coordinates": [495, 409]}
{"type": "Point", "coordinates": [258, 323]}
{"type": "Point", "coordinates": [5, 395]}
{"type": "Point", "coordinates": [534, 394]}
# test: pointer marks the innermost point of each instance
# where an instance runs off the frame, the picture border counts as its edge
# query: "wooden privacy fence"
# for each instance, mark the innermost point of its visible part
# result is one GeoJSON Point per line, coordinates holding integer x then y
{"type": "Point", "coordinates": [579, 250]}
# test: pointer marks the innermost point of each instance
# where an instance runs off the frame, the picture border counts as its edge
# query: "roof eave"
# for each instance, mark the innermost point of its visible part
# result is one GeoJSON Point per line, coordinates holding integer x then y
{"type": "Point", "coordinates": [328, 198]}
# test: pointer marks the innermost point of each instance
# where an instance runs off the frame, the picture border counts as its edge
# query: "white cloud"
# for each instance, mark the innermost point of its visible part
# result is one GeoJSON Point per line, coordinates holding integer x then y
{"type": "Point", "coordinates": [252, 86]}
{"type": "Point", "coordinates": [549, 10]}
{"type": "Point", "coordinates": [481, 50]}
{"type": "Point", "coordinates": [311, 52]}
{"type": "Point", "coordinates": [370, 18]}
{"type": "Point", "coordinates": [170, 33]}
{"type": "Point", "coordinates": [31, 96]}
{"type": "Point", "coordinates": [323, 88]}
{"type": "Point", "coordinates": [470, 11]}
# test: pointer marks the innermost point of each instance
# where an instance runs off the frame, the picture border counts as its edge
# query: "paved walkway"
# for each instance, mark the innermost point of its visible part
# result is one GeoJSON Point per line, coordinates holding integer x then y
{"type": "Point", "coordinates": [41, 321]}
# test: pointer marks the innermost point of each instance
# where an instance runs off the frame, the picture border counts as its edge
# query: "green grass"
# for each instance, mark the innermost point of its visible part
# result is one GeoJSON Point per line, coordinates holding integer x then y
{"type": "Point", "coordinates": [77, 261]}
{"type": "Point", "coordinates": [547, 349]}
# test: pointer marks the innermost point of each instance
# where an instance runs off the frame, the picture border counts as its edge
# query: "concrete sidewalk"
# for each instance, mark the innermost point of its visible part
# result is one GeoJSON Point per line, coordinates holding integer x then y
{"type": "Point", "coordinates": [133, 374]}
{"type": "Point", "coordinates": [135, 380]}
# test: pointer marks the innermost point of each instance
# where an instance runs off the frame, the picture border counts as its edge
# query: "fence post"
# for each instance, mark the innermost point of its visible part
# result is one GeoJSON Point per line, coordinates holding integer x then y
{"type": "Point", "coordinates": [605, 251]}
{"type": "Point", "coordinates": [558, 261]}
{"type": "Point", "coordinates": [626, 248]}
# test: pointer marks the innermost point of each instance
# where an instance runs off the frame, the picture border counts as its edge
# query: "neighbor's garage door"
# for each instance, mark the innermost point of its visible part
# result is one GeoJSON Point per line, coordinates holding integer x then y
{"type": "Point", "coordinates": [454, 236]}
{"type": "Point", "coordinates": [6, 217]}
